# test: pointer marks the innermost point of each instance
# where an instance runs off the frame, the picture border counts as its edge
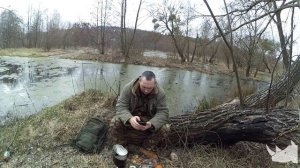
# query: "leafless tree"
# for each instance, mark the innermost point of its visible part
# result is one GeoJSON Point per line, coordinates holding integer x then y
{"type": "Point", "coordinates": [214, 47]}
{"type": "Point", "coordinates": [204, 42]}
{"type": "Point", "coordinates": [126, 41]}
{"type": "Point", "coordinates": [53, 32]}
{"type": "Point", "coordinates": [290, 55]}
{"type": "Point", "coordinates": [167, 18]}
{"type": "Point", "coordinates": [36, 28]}
{"type": "Point", "coordinates": [282, 39]}
{"type": "Point", "coordinates": [67, 31]}
{"type": "Point", "coordinates": [102, 10]}
{"type": "Point", "coordinates": [10, 29]}
{"type": "Point", "coordinates": [28, 27]}
{"type": "Point", "coordinates": [250, 36]}
{"type": "Point", "coordinates": [134, 30]}
{"type": "Point", "coordinates": [79, 35]}
{"type": "Point", "coordinates": [267, 49]}
{"type": "Point", "coordinates": [123, 37]}
{"type": "Point", "coordinates": [271, 9]}
{"type": "Point", "coordinates": [195, 48]}
{"type": "Point", "coordinates": [229, 45]}
{"type": "Point", "coordinates": [189, 15]}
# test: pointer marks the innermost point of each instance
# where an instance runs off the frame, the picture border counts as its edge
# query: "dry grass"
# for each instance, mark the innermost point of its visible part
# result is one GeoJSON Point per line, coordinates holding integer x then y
{"type": "Point", "coordinates": [221, 67]}
{"type": "Point", "coordinates": [30, 52]}
{"type": "Point", "coordinates": [206, 104]}
{"type": "Point", "coordinates": [242, 154]}
{"type": "Point", "coordinates": [22, 52]}
{"type": "Point", "coordinates": [43, 140]}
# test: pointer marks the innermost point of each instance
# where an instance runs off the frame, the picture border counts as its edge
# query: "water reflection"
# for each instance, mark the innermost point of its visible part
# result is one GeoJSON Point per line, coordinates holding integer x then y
{"type": "Point", "coordinates": [26, 83]}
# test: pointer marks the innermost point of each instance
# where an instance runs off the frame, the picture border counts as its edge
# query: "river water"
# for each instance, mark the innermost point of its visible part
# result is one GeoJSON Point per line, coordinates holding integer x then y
{"type": "Point", "coordinates": [27, 85]}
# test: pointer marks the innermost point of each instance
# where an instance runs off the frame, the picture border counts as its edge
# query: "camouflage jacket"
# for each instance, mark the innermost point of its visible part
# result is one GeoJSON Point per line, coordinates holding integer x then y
{"type": "Point", "coordinates": [154, 104]}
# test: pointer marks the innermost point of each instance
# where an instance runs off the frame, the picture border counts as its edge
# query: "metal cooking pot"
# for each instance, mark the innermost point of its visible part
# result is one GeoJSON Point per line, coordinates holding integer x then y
{"type": "Point", "coordinates": [119, 156]}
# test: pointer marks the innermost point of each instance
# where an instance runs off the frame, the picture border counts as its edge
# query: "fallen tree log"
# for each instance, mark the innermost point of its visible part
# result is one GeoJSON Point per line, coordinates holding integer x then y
{"type": "Point", "coordinates": [230, 125]}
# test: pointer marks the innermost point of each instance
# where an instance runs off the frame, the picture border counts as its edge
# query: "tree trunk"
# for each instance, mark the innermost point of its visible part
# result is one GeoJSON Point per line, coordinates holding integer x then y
{"type": "Point", "coordinates": [256, 71]}
{"type": "Point", "coordinates": [226, 126]}
{"type": "Point", "coordinates": [266, 64]}
{"type": "Point", "coordinates": [178, 49]}
{"type": "Point", "coordinates": [248, 70]}
{"type": "Point", "coordinates": [278, 90]}
{"type": "Point", "coordinates": [195, 47]}
{"type": "Point", "coordinates": [285, 55]}
{"type": "Point", "coordinates": [134, 31]}
{"type": "Point", "coordinates": [214, 53]}
{"type": "Point", "coordinates": [123, 28]}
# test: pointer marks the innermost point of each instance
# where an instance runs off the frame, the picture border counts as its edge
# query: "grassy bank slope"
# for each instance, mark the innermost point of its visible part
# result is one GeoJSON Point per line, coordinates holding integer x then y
{"type": "Point", "coordinates": [43, 140]}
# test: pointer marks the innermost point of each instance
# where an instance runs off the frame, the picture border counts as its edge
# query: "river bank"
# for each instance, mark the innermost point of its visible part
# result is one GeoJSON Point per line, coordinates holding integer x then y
{"type": "Point", "coordinates": [43, 140]}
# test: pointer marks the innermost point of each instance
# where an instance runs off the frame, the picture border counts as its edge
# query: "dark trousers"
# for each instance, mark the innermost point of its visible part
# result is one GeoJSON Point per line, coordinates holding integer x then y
{"type": "Point", "coordinates": [124, 135]}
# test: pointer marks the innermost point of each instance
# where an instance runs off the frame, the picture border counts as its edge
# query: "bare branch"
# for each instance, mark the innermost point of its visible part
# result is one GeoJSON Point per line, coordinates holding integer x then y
{"type": "Point", "coordinates": [134, 31]}
{"type": "Point", "coordinates": [229, 47]}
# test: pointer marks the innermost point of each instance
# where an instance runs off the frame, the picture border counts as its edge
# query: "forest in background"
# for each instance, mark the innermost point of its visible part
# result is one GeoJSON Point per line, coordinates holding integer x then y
{"type": "Point", "coordinates": [178, 28]}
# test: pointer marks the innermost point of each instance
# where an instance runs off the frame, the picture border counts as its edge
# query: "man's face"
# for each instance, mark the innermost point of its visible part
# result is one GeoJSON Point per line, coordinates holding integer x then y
{"type": "Point", "coordinates": [146, 86]}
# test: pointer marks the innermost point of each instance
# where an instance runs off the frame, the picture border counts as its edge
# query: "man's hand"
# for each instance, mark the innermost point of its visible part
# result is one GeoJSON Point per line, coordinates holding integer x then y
{"type": "Point", "coordinates": [147, 126]}
{"type": "Point", "coordinates": [134, 123]}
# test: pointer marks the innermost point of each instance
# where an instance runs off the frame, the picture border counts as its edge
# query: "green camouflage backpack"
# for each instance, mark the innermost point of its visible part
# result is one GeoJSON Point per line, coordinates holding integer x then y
{"type": "Point", "coordinates": [92, 136]}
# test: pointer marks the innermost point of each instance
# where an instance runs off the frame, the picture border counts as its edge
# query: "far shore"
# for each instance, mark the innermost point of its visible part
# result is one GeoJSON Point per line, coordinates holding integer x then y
{"type": "Point", "coordinates": [84, 53]}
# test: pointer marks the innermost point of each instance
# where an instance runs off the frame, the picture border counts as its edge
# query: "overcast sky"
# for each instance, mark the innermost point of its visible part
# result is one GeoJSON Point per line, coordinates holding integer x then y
{"type": "Point", "coordinates": [80, 10]}
{"type": "Point", "coordinates": [70, 10]}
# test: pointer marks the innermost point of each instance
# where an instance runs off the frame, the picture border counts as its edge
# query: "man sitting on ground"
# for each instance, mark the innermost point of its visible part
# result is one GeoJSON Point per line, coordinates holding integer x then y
{"type": "Point", "coordinates": [142, 114]}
